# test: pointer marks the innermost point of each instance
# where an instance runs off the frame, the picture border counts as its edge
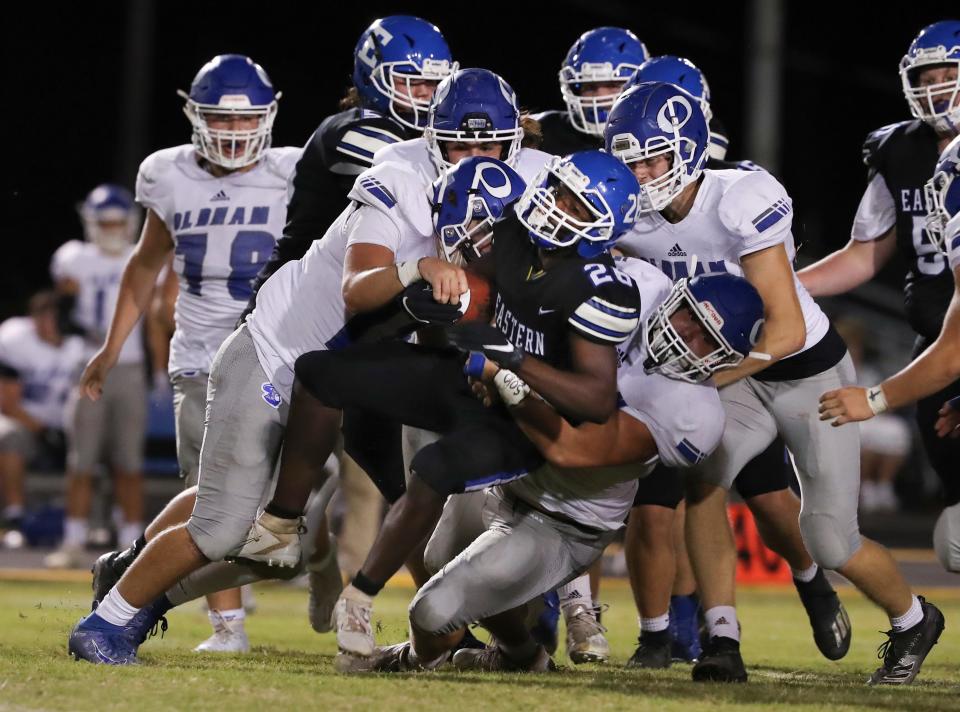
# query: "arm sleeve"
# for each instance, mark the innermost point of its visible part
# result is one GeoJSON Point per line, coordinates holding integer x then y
{"type": "Point", "coordinates": [876, 213]}
{"type": "Point", "coordinates": [758, 210]}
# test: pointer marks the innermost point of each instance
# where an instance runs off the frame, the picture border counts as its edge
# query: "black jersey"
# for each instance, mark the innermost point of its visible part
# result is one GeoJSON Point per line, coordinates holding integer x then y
{"type": "Point", "coordinates": [339, 150]}
{"type": "Point", "coordinates": [905, 155]}
{"type": "Point", "coordinates": [536, 309]}
{"type": "Point", "coordinates": [560, 138]}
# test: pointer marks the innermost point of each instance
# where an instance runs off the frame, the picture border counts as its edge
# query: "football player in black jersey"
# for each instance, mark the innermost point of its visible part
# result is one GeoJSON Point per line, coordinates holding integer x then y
{"type": "Point", "coordinates": [891, 218]}
{"type": "Point", "coordinates": [561, 308]}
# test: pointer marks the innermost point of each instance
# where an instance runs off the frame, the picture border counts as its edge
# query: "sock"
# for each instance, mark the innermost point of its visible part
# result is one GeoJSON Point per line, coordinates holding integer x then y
{"type": "Point", "coordinates": [366, 586]}
{"type": "Point", "coordinates": [684, 608]}
{"type": "Point", "coordinates": [722, 622]}
{"type": "Point", "coordinates": [130, 531]}
{"type": "Point", "coordinates": [575, 593]}
{"type": "Point", "coordinates": [281, 512]}
{"type": "Point", "coordinates": [74, 533]}
{"type": "Point", "coordinates": [114, 609]}
{"type": "Point", "coordinates": [520, 653]}
{"type": "Point", "coordinates": [909, 619]}
{"type": "Point", "coordinates": [234, 616]}
{"type": "Point", "coordinates": [805, 575]}
{"type": "Point", "coordinates": [356, 594]}
{"type": "Point", "coordinates": [657, 623]}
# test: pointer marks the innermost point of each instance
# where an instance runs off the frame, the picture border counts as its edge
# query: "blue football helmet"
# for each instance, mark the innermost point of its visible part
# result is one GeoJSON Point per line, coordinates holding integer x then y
{"type": "Point", "coordinates": [603, 185]}
{"type": "Point", "coordinates": [943, 196]}
{"type": "Point", "coordinates": [936, 104]}
{"type": "Point", "coordinates": [109, 217]}
{"type": "Point", "coordinates": [473, 105]}
{"type": "Point", "coordinates": [727, 307]}
{"type": "Point", "coordinates": [231, 86]}
{"type": "Point", "coordinates": [653, 119]}
{"type": "Point", "coordinates": [391, 55]}
{"type": "Point", "coordinates": [675, 70]}
{"type": "Point", "coordinates": [605, 54]}
{"type": "Point", "coordinates": [467, 200]}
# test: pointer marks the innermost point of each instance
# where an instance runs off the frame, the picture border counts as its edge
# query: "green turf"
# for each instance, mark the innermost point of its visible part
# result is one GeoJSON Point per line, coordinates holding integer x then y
{"type": "Point", "coordinates": [291, 667]}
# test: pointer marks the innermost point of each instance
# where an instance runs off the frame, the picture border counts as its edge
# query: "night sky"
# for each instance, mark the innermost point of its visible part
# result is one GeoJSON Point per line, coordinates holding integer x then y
{"type": "Point", "coordinates": [67, 94]}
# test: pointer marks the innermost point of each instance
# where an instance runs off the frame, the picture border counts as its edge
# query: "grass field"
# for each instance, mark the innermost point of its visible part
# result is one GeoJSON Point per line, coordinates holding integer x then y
{"type": "Point", "coordinates": [291, 667]}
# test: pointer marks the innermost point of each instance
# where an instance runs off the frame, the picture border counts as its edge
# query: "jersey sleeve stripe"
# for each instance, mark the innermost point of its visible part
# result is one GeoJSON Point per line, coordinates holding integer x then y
{"type": "Point", "coordinates": [689, 451]}
{"type": "Point", "coordinates": [382, 135]}
{"type": "Point", "coordinates": [614, 323]}
{"type": "Point", "coordinates": [597, 331]}
{"type": "Point", "coordinates": [612, 309]}
{"type": "Point", "coordinates": [355, 142]}
{"type": "Point", "coordinates": [377, 190]}
{"type": "Point", "coordinates": [771, 215]}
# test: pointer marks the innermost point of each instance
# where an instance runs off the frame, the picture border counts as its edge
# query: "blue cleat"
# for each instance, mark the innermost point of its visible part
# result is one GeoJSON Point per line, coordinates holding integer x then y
{"type": "Point", "coordinates": [148, 621]}
{"type": "Point", "coordinates": [97, 641]}
{"type": "Point", "coordinates": [545, 630]}
{"type": "Point", "coordinates": [685, 628]}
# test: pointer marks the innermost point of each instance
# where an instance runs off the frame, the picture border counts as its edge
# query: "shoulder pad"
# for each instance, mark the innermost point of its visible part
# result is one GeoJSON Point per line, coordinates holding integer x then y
{"type": "Point", "coordinates": [652, 284]}
{"type": "Point", "coordinates": [529, 162]}
{"type": "Point", "coordinates": [282, 161]}
{"type": "Point", "coordinates": [873, 145]}
{"type": "Point", "coordinates": [612, 312]}
{"type": "Point", "coordinates": [754, 203]}
{"type": "Point", "coordinates": [395, 189]}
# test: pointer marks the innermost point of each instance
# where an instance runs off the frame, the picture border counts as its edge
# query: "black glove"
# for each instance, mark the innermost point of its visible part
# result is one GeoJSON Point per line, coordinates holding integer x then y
{"type": "Point", "coordinates": [488, 340]}
{"type": "Point", "coordinates": [418, 302]}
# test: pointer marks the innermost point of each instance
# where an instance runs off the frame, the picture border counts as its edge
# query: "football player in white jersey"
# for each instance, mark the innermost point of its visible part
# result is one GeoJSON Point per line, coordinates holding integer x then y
{"type": "Point", "coordinates": [937, 366]}
{"type": "Point", "coordinates": [303, 307]}
{"type": "Point", "coordinates": [739, 222]}
{"type": "Point", "coordinates": [113, 429]}
{"type": "Point", "coordinates": [217, 205]}
{"type": "Point", "coordinates": [38, 369]}
{"type": "Point", "coordinates": [543, 530]}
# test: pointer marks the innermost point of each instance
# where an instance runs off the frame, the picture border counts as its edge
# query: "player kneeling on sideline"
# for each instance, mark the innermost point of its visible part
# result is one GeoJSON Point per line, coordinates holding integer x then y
{"type": "Point", "coordinates": [545, 529]}
{"type": "Point", "coordinates": [938, 366]}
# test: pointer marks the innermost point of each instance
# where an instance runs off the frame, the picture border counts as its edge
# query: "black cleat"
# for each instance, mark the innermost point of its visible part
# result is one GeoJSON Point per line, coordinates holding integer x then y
{"type": "Point", "coordinates": [653, 653]}
{"type": "Point", "coordinates": [469, 640]}
{"type": "Point", "coordinates": [903, 653]}
{"type": "Point", "coordinates": [720, 662]}
{"type": "Point", "coordinates": [107, 570]}
{"type": "Point", "coordinates": [828, 618]}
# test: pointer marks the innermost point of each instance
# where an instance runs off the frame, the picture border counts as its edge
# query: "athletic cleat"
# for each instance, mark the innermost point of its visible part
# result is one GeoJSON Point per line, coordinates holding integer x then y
{"type": "Point", "coordinates": [107, 570]}
{"type": "Point", "coordinates": [326, 585]}
{"type": "Point", "coordinates": [828, 618]}
{"type": "Point", "coordinates": [653, 652]}
{"type": "Point", "coordinates": [272, 541]}
{"type": "Point", "coordinates": [585, 640]}
{"type": "Point", "coordinates": [720, 662]}
{"type": "Point", "coordinates": [903, 653]}
{"type": "Point", "coordinates": [148, 621]}
{"type": "Point", "coordinates": [469, 641]}
{"type": "Point", "coordinates": [493, 659]}
{"type": "Point", "coordinates": [351, 618]}
{"type": "Point", "coordinates": [685, 628]}
{"type": "Point", "coordinates": [66, 557]}
{"type": "Point", "coordinates": [396, 658]}
{"type": "Point", "coordinates": [97, 641]}
{"type": "Point", "coordinates": [545, 630]}
{"type": "Point", "coordinates": [228, 637]}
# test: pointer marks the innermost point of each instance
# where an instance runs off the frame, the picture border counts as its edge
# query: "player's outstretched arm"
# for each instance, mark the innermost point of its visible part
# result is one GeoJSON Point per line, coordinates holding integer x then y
{"type": "Point", "coordinates": [784, 330]}
{"type": "Point", "coordinates": [136, 291]}
{"type": "Point", "coordinates": [936, 368]}
{"type": "Point", "coordinates": [855, 264]}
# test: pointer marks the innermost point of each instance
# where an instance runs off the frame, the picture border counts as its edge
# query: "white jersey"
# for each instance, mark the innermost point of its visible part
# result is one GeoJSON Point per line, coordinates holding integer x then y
{"type": "Point", "coordinates": [300, 308]}
{"type": "Point", "coordinates": [734, 214]}
{"type": "Point", "coordinates": [224, 230]}
{"type": "Point", "coordinates": [47, 373]}
{"type": "Point", "coordinates": [97, 274]}
{"type": "Point", "coordinates": [685, 419]}
{"type": "Point", "coordinates": [416, 154]}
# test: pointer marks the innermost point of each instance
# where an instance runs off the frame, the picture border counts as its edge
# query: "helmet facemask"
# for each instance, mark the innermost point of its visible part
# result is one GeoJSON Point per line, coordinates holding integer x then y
{"type": "Point", "coordinates": [935, 104]}
{"type": "Point", "coordinates": [111, 229]}
{"type": "Point", "coordinates": [404, 106]}
{"type": "Point", "coordinates": [471, 239]}
{"type": "Point", "coordinates": [231, 148]}
{"type": "Point", "coordinates": [588, 114]}
{"type": "Point", "coordinates": [658, 193]}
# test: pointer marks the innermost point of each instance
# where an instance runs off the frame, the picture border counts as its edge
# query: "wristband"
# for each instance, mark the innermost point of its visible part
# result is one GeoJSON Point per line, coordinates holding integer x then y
{"type": "Point", "coordinates": [876, 400]}
{"type": "Point", "coordinates": [474, 365]}
{"type": "Point", "coordinates": [511, 387]}
{"type": "Point", "coordinates": [408, 272]}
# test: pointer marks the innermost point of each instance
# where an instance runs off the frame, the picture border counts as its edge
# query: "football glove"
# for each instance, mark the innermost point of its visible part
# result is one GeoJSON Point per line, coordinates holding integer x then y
{"type": "Point", "coordinates": [488, 340]}
{"type": "Point", "coordinates": [418, 302]}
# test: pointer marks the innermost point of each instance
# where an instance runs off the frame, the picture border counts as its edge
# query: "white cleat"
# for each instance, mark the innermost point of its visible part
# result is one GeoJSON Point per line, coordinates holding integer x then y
{"type": "Point", "coordinates": [351, 618]}
{"type": "Point", "coordinates": [66, 557]}
{"type": "Point", "coordinates": [585, 640]}
{"type": "Point", "coordinates": [273, 541]}
{"type": "Point", "coordinates": [326, 585]}
{"type": "Point", "coordinates": [228, 637]}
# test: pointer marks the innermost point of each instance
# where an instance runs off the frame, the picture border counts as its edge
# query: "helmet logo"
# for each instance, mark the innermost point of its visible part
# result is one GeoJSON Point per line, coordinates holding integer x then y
{"type": "Point", "coordinates": [706, 308]}
{"type": "Point", "coordinates": [502, 189]}
{"type": "Point", "coordinates": [368, 55]}
{"type": "Point", "coordinates": [674, 114]}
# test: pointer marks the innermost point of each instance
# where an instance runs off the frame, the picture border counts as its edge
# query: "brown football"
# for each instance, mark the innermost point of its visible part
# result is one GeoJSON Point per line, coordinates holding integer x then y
{"type": "Point", "coordinates": [476, 302]}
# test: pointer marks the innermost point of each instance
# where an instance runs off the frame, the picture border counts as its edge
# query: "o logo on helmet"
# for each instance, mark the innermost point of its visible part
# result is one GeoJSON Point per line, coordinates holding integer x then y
{"type": "Point", "coordinates": [674, 114]}
{"type": "Point", "coordinates": [487, 170]}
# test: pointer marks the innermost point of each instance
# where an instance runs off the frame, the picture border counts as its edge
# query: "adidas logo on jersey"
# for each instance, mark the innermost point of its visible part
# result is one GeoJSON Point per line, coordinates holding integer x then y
{"type": "Point", "coordinates": [220, 196]}
{"type": "Point", "coordinates": [676, 251]}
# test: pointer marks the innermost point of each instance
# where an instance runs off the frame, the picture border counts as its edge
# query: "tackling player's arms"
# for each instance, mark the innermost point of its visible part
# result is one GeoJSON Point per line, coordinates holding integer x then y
{"type": "Point", "coordinates": [856, 263]}
{"type": "Point", "coordinates": [588, 390]}
{"type": "Point", "coordinates": [784, 330]}
{"type": "Point", "coordinates": [136, 292]}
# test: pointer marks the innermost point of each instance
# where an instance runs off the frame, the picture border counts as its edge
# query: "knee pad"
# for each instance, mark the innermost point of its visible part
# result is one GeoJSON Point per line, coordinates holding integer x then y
{"type": "Point", "coordinates": [946, 538]}
{"type": "Point", "coordinates": [829, 542]}
{"type": "Point", "coordinates": [434, 611]}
